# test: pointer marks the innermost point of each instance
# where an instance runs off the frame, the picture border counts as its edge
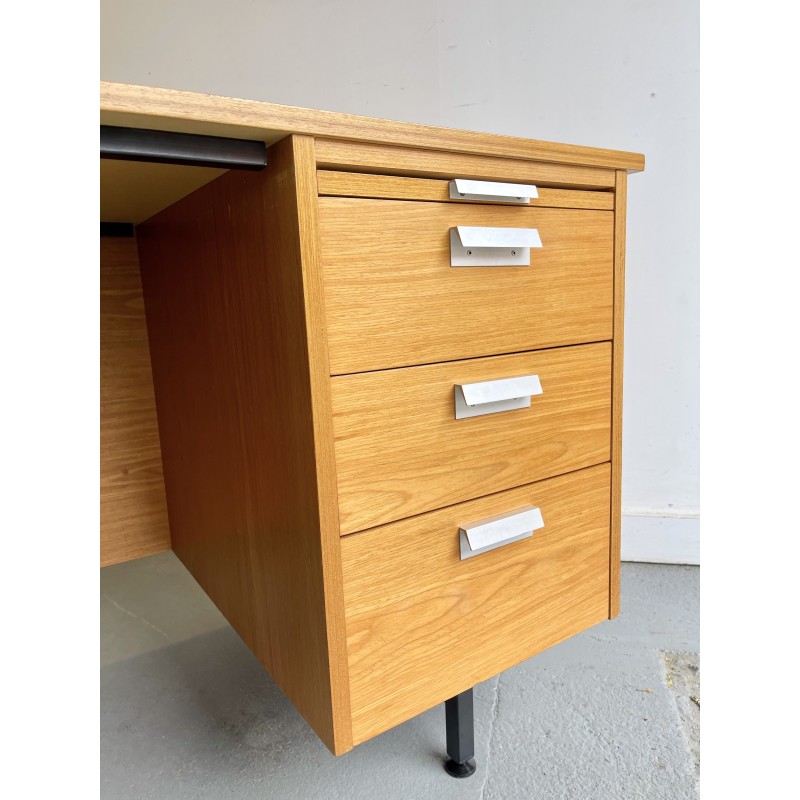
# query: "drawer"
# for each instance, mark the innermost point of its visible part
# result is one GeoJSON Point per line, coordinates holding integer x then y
{"type": "Point", "coordinates": [390, 187]}
{"type": "Point", "coordinates": [400, 449]}
{"type": "Point", "coordinates": [392, 299]}
{"type": "Point", "coordinates": [424, 625]}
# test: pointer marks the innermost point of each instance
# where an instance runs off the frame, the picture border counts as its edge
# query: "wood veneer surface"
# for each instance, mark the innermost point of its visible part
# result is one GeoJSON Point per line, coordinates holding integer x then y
{"type": "Point", "coordinates": [232, 294]}
{"type": "Point", "coordinates": [422, 625]}
{"type": "Point", "coordinates": [392, 299]}
{"type": "Point", "coordinates": [193, 112]}
{"type": "Point", "coordinates": [400, 450]}
{"type": "Point", "coordinates": [133, 510]}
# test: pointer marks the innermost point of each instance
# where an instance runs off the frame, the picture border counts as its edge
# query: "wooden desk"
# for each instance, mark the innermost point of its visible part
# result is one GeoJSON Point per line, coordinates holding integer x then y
{"type": "Point", "coordinates": [348, 469]}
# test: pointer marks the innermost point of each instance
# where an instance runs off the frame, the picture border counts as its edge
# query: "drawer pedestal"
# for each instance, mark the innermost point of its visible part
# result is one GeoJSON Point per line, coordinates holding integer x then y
{"type": "Point", "coordinates": [356, 430]}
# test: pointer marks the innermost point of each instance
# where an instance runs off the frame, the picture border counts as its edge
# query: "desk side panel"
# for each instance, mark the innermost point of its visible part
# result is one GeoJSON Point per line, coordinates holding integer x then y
{"type": "Point", "coordinates": [620, 203]}
{"type": "Point", "coordinates": [133, 508]}
{"type": "Point", "coordinates": [237, 344]}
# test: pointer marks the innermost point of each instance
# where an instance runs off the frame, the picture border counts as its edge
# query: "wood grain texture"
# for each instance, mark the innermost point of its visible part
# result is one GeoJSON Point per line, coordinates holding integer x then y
{"type": "Point", "coordinates": [325, 460]}
{"type": "Point", "coordinates": [400, 451]}
{"type": "Point", "coordinates": [392, 299]}
{"type": "Point", "coordinates": [360, 157]}
{"type": "Point", "coordinates": [232, 293]}
{"type": "Point", "coordinates": [620, 202]}
{"type": "Point", "coordinates": [391, 187]}
{"type": "Point", "coordinates": [132, 191]}
{"type": "Point", "coordinates": [423, 626]}
{"type": "Point", "coordinates": [168, 109]}
{"type": "Point", "coordinates": [133, 510]}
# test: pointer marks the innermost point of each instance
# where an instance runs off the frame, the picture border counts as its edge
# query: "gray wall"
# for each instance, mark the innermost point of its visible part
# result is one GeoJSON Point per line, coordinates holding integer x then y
{"type": "Point", "coordinates": [620, 74]}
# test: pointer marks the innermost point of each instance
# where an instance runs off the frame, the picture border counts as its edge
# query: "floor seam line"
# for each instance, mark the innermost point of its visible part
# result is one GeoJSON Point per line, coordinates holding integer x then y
{"type": "Point", "coordinates": [492, 719]}
{"type": "Point", "coordinates": [136, 617]}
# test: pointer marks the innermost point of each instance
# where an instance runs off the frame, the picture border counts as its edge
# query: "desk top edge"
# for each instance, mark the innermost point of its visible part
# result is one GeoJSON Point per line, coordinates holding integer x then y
{"type": "Point", "coordinates": [193, 112]}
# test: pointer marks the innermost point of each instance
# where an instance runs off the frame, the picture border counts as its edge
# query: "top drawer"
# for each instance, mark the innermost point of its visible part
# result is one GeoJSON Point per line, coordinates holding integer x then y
{"type": "Point", "coordinates": [392, 299]}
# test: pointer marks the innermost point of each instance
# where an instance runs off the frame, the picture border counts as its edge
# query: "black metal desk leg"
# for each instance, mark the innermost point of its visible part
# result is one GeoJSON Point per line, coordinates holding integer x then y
{"type": "Point", "coordinates": [460, 725]}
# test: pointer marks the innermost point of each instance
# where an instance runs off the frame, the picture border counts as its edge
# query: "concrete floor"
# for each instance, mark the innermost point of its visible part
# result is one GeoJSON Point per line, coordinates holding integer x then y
{"type": "Point", "coordinates": [187, 711]}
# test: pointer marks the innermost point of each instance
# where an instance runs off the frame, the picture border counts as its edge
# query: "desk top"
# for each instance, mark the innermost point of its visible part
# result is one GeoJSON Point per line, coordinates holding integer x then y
{"type": "Point", "coordinates": [132, 192]}
{"type": "Point", "coordinates": [192, 112]}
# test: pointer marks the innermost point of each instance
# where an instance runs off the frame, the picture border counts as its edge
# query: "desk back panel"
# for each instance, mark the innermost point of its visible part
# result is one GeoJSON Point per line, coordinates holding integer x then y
{"type": "Point", "coordinates": [133, 510]}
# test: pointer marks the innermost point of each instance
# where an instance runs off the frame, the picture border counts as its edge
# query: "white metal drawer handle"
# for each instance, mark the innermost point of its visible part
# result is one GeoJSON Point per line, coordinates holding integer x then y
{"type": "Point", "coordinates": [489, 397]}
{"type": "Point", "coordinates": [487, 534]}
{"type": "Point", "coordinates": [491, 191]}
{"type": "Point", "coordinates": [492, 247]}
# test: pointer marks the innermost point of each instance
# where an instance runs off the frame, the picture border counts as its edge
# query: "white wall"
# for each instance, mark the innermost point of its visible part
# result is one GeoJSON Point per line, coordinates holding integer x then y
{"type": "Point", "coordinates": [620, 74]}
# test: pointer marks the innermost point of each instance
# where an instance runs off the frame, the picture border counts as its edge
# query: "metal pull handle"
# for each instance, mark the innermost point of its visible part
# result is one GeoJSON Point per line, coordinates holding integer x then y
{"type": "Point", "coordinates": [492, 192]}
{"type": "Point", "coordinates": [489, 397]}
{"type": "Point", "coordinates": [492, 532]}
{"type": "Point", "coordinates": [492, 247]}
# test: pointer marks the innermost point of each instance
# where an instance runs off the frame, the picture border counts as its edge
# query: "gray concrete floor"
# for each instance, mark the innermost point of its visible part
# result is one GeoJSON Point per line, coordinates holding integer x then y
{"type": "Point", "coordinates": [187, 711]}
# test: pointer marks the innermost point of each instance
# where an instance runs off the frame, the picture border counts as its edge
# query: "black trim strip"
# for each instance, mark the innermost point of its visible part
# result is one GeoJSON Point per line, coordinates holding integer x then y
{"type": "Point", "coordinates": [116, 229]}
{"type": "Point", "coordinates": [166, 147]}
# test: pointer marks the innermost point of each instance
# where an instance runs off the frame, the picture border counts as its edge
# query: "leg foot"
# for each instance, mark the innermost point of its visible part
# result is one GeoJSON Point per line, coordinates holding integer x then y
{"type": "Point", "coordinates": [460, 770]}
{"type": "Point", "coordinates": [460, 725]}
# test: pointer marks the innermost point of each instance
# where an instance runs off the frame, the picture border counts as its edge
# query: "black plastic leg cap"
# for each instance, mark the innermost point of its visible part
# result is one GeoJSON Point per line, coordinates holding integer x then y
{"type": "Point", "coordinates": [460, 770]}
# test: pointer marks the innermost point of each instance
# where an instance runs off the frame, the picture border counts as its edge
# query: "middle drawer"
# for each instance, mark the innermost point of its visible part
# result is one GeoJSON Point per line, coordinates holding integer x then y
{"type": "Point", "coordinates": [401, 451]}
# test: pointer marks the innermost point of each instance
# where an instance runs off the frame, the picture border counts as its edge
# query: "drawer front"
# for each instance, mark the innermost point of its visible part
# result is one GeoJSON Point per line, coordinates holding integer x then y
{"type": "Point", "coordinates": [400, 449]}
{"type": "Point", "coordinates": [392, 299]}
{"type": "Point", "coordinates": [424, 625]}
{"type": "Point", "coordinates": [390, 187]}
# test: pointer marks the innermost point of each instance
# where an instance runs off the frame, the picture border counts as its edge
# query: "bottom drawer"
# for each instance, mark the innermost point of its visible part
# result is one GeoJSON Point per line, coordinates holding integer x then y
{"type": "Point", "coordinates": [424, 625]}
